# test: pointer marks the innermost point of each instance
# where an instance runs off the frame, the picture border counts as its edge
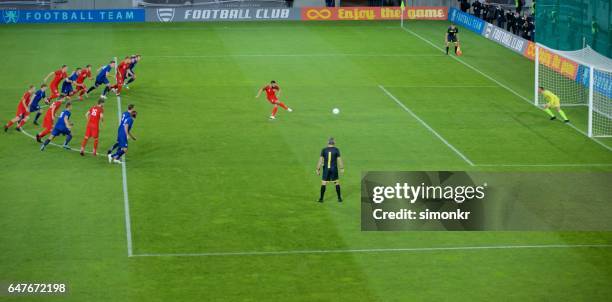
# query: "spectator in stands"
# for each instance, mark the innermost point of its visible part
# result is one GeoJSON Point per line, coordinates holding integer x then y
{"type": "Point", "coordinates": [524, 30]}
{"type": "Point", "coordinates": [501, 16]}
{"type": "Point", "coordinates": [464, 5]}
{"type": "Point", "coordinates": [509, 20]}
{"type": "Point", "coordinates": [520, 25]}
{"type": "Point", "coordinates": [330, 3]}
{"type": "Point", "coordinates": [530, 30]}
{"type": "Point", "coordinates": [485, 11]}
{"type": "Point", "coordinates": [491, 13]}
{"type": "Point", "coordinates": [289, 3]}
{"type": "Point", "coordinates": [477, 7]}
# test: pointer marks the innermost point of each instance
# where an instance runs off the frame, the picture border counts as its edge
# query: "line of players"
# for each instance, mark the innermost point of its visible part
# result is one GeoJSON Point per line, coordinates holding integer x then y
{"type": "Point", "coordinates": [62, 125]}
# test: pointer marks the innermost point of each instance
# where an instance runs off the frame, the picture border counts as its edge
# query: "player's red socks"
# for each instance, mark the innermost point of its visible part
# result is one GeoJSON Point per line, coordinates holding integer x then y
{"type": "Point", "coordinates": [21, 123]}
{"type": "Point", "coordinates": [95, 150]}
{"type": "Point", "coordinates": [9, 124]}
{"type": "Point", "coordinates": [95, 145]}
{"type": "Point", "coordinates": [283, 105]}
{"type": "Point", "coordinates": [274, 110]}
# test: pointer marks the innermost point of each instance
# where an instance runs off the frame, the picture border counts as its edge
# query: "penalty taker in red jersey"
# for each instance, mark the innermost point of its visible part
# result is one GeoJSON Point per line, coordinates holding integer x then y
{"type": "Point", "coordinates": [272, 90]}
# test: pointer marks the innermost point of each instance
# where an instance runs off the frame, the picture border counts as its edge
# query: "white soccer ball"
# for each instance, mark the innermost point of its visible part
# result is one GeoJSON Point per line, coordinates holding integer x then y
{"type": "Point", "coordinates": [335, 111]}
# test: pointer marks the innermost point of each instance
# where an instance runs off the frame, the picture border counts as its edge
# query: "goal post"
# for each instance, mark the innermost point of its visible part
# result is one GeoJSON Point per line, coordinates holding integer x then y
{"type": "Point", "coordinates": [600, 109]}
{"type": "Point", "coordinates": [536, 78]}
{"type": "Point", "coordinates": [579, 78]}
{"type": "Point", "coordinates": [590, 119]}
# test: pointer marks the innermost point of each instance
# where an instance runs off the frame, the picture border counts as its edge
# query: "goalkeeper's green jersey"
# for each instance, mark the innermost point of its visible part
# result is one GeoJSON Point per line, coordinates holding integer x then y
{"type": "Point", "coordinates": [550, 97]}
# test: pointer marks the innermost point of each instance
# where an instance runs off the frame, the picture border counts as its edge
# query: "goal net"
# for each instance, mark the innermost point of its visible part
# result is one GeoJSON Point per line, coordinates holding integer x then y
{"type": "Point", "coordinates": [579, 78]}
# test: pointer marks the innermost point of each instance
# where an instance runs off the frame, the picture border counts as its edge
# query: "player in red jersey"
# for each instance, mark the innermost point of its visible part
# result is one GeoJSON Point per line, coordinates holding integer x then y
{"type": "Point", "coordinates": [81, 88]}
{"type": "Point", "coordinates": [271, 90]}
{"type": "Point", "coordinates": [49, 120]}
{"type": "Point", "coordinates": [121, 73]}
{"type": "Point", "coordinates": [23, 110]}
{"type": "Point", "coordinates": [94, 116]}
{"type": "Point", "coordinates": [58, 76]}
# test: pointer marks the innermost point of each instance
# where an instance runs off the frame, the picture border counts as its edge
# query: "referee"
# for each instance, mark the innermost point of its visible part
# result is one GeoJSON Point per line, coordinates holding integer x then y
{"type": "Point", "coordinates": [330, 160]}
{"type": "Point", "coordinates": [451, 37]}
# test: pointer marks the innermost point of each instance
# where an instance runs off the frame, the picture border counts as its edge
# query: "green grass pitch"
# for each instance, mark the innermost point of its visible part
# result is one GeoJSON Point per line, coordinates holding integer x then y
{"type": "Point", "coordinates": [210, 174]}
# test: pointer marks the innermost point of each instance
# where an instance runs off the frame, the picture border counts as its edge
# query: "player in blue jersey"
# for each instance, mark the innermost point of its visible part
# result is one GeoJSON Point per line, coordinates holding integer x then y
{"type": "Point", "coordinates": [123, 133]}
{"type": "Point", "coordinates": [124, 115]}
{"type": "Point", "coordinates": [67, 89]}
{"type": "Point", "coordinates": [130, 72]}
{"type": "Point", "coordinates": [39, 95]}
{"type": "Point", "coordinates": [62, 127]}
{"type": "Point", "coordinates": [102, 78]}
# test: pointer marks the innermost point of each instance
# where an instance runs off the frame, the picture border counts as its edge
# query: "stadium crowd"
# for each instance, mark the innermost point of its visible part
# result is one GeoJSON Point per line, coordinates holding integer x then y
{"type": "Point", "coordinates": [519, 21]}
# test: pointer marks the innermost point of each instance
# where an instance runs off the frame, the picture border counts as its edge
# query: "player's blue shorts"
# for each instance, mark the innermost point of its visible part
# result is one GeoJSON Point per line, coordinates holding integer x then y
{"type": "Point", "coordinates": [100, 81]}
{"type": "Point", "coordinates": [122, 141]}
{"type": "Point", "coordinates": [66, 88]}
{"type": "Point", "coordinates": [34, 107]}
{"type": "Point", "coordinates": [62, 131]}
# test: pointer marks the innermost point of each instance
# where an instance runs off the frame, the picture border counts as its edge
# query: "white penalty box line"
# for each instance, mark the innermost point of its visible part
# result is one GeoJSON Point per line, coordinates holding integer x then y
{"type": "Point", "coordinates": [24, 132]}
{"type": "Point", "coordinates": [378, 250]}
{"type": "Point", "coordinates": [305, 55]}
{"type": "Point", "coordinates": [255, 253]}
{"type": "Point", "coordinates": [126, 200]}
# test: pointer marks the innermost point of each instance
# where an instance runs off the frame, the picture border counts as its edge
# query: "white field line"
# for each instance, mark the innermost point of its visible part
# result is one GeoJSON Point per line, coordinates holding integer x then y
{"type": "Point", "coordinates": [443, 86]}
{"type": "Point", "coordinates": [498, 83]}
{"type": "Point", "coordinates": [289, 55]}
{"type": "Point", "coordinates": [52, 143]}
{"type": "Point", "coordinates": [467, 160]}
{"type": "Point", "coordinates": [126, 201]}
{"type": "Point", "coordinates": [545, 165]}
{"type": "Point", "coordinates": [379, 250]}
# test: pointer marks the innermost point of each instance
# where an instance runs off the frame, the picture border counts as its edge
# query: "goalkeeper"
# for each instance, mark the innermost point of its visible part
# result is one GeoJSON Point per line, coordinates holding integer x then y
{"type": "Point", "coordinates": [552, 101]}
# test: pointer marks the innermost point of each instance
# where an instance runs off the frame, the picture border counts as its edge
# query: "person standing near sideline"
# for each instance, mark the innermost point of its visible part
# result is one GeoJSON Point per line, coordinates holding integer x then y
{"type": "Point", "coordinates": [452, 37]}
